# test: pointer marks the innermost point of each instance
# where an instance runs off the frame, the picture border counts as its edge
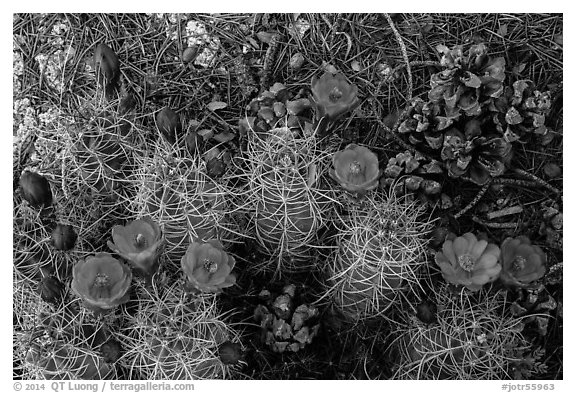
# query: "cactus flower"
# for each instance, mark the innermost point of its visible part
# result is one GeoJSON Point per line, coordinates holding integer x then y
{"type": "Point", "coordinates": [356, 169]}
{"type": "Point", "coordinates": [333, 95]}
{"type": "Point", "coordinates": [101, 281]}
{"type": "Point", "coordinates": [138, 242]}
{"type": "Point", "coordinates": [469, 262]}
{"type": "Point", "coordinates": [63, 237]}
{"type": "Point", "coordinates": [107, 69]}
{"type": "Point", "coordinates": [208, 267]}
{"type": "Point", "coordinates": [230, 353]}
{"type": "Point", "coordinates": [111, 350]}
{"type": "Point", "coordinates": [169, 124]}
{"type": "Point", "coordinates": [35, 189]}
{"type": "Point", "coordinates": [522, 262]}
{"type": "Point", "coordinates": [51, 290]}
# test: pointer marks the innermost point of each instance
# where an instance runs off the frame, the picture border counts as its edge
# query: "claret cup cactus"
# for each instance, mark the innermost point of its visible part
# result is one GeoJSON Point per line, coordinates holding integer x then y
{"type": "Point", "coordinates": [175, 192]}
{"type": "Point", "coordinates": [472, 337]}
{"type": "Point", "coordinates": [380, 250]}
{"type": "Point", "coordinates": [286, 196]}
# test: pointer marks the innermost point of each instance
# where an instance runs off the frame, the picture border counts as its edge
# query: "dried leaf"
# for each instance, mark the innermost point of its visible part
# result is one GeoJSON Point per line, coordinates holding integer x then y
{"type": "Point", "coordinates": [413, 182]}
{"type": "Point", "coordinates": [513, 117]}
{"type": "Point", "coordinates": [302, 336]}
{"type": "Point", "coordinates": [517, 310]}
{"type": "Point", "coordinates": [279, 346]}
{"type": "Point", "coordinates": [517, 69]}
{"type": "Point", "coordinates": [223, 137]}
{"type": "Point", "coordinates": [206, 133]}
{"type": "Point", "coordinates": [558, 38]}
{"type": "Point", "coordinates": [431, 187]}
{"type": "Point", "coordinates": [542, 324]}
{"type": "Point", "coordinates": [264, 36]}
{"type": "Point", "coordinates": [552, 170]}
{"type": "Point", "coordinates": [215, 105]}
{"type": "Point", "coordinates": [211, 154]}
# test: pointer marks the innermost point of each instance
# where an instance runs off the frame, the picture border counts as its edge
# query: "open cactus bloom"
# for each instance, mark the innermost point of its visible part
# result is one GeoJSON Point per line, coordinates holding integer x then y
{"type": "Point", "coordinates": [208, 267]}
{"type": "Point", "coordinates": [101, 281]}
{"type": "Point", "coordinates": [522, 262]}
{"type": "Point", "coordinates": [333, 96]}
{"type": "Point", "coordinates": [138, 242]}
{"type": "Point", "coordinates": [469, 262]}
{"type": "Point", "coordinates": [356, 169]}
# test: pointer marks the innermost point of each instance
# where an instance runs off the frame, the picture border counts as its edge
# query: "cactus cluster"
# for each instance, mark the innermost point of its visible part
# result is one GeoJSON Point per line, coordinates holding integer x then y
{"type": "Point", "coordinates": [287, 196]}
{"type": "Point", "coordinates": [474, 337]}
{"type": "Point", "coordinates": [173, 335]}
{"type": "Point", "coordinates": [174, 190]}
{"type": "Point", "coordinates": [380, 252]}
{"type": "Point", "coordinates": [58, 339]}
{"type": "Point", "coordinates": [103, 154]}
{"type": "Point", "coordinates": [134, 229]}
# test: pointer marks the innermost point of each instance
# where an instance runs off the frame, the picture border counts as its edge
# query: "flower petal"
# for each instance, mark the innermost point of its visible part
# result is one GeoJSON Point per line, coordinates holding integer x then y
{"type": "Point", "coordinates": [124, 239]}
{"type": "Point", "coordinates": [508, 251]}
{"type": "Point", "coordinates": [201, 275]}
{"type": "Point", "coordinates": [444, 263]}
{"type": "Point", "coordinates": [486, 261]}
{"type": "Point", "coordinates": [461, 245]}
{"type": "Point", "coordinates": [448, 251]}
{"type": "Point", "coordinates": [478, 248]}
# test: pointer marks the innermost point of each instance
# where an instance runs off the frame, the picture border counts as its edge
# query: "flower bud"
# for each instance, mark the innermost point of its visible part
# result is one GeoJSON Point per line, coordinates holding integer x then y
{"type": "Point", "coordinates": [426, 312]}
{"type": "Point", "coordinates": [194, 142]}
{"type": "Point", "coordinates": [438, 236]}
{"type": "Point", "coordinates": [106, 62]}
{"type": "Point", "coordinates": [215, 167]}
{"type": "Point", "coordinates": [35, 189]}
{"type": "Point", "coordinates": [230, 353]}
{"type": "Point", "coordinates": [111, 351]}
{"type": "Point", "coordinates": [169, 124]}
{"type": "Point", "coordinates": [189, 54]}
{"type": "Point", "coordinates": [107, 69]}
{"type": "Point", "coordinates": [51, 290]}
{"type": "Point", "coordinates": [64, 237]}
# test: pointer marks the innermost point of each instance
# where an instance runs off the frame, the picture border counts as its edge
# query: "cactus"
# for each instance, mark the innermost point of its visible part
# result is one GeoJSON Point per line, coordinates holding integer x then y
{"type": "Point", "coordinates": [103, 154]}
{"type": "Point", "coordinates": [286, 196]}
{"type": "Point", "coordinates": [173, 335]}
{"type": "Point", "coordinates": [174, 191]}
{"type": "Point", "coordinates": [33, 255]}
{"type": "Point", "coordinates": [380, 250]}
{"type": "Point", "coordinates": [56, 340]}
{"type": "Point", "coordinates": [65, 361]}
{"type": "Point", "coordinates": [475, 337]}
